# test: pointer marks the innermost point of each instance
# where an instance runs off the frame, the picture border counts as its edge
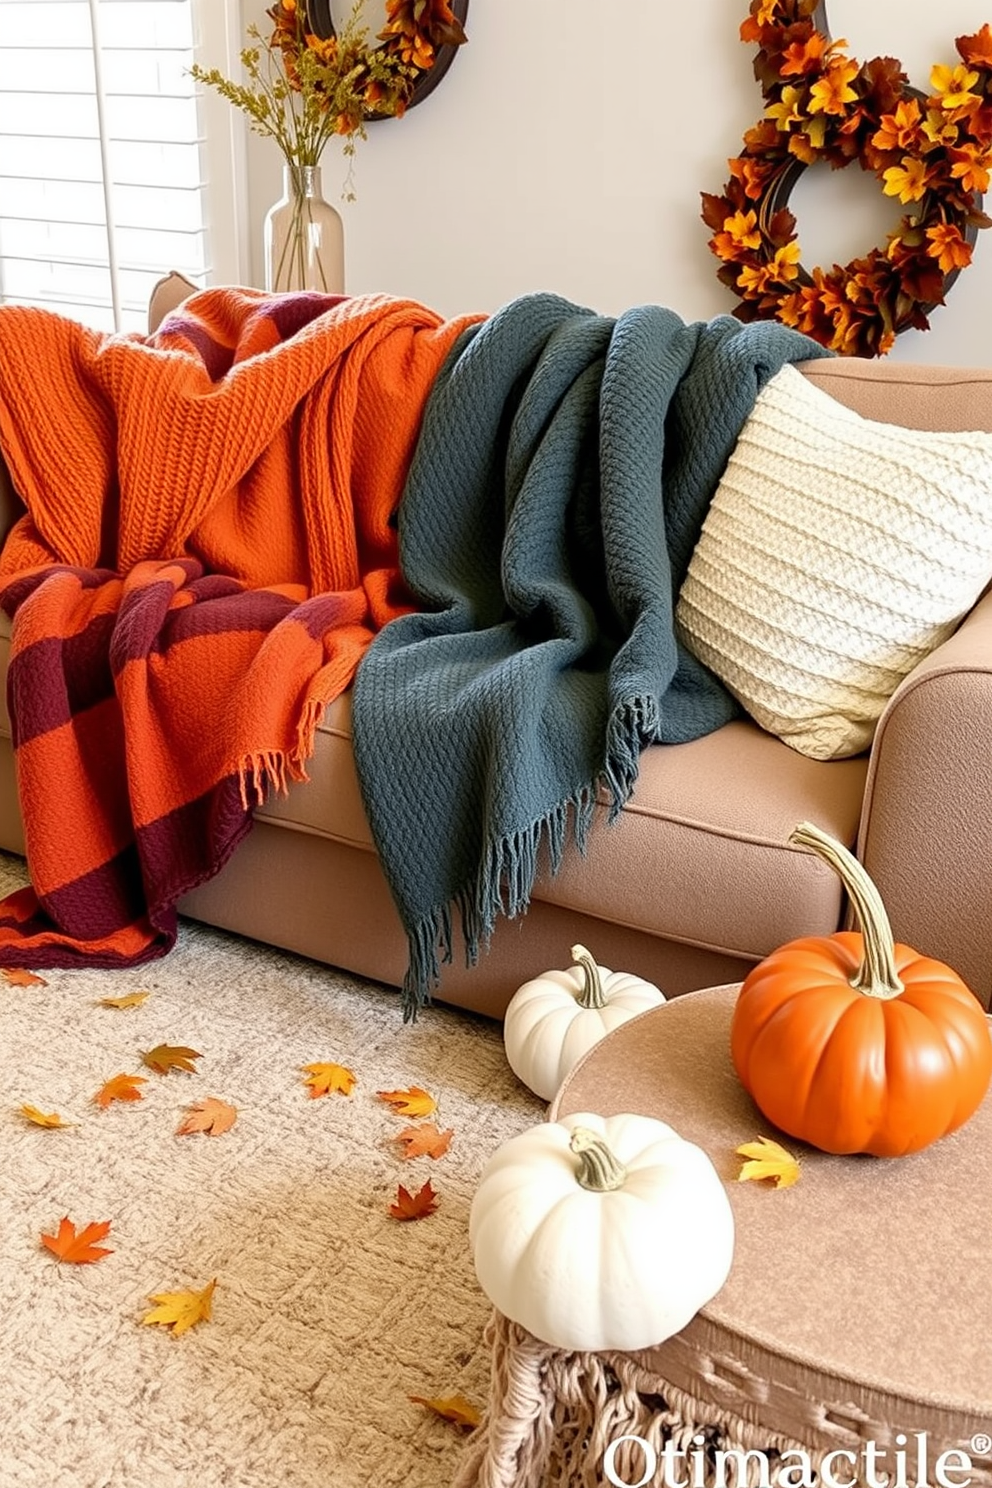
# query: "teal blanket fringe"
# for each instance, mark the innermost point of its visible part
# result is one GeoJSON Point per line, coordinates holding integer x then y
{"type": "Point", "coordinates": [563, 471]}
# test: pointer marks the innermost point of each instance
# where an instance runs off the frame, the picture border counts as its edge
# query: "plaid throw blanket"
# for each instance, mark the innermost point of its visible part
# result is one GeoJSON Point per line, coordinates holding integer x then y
{"type": "Point", "coordinates": [564, 469]}
{"type": "Point", "coordinates": [208, 549]}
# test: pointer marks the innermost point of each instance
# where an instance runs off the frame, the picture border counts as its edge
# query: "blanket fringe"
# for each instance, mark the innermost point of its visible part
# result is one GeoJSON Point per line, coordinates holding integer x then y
{"type": "Point", "coordinates": [267, 770]}
{"type": "Point", "coordinates": [504, 883]}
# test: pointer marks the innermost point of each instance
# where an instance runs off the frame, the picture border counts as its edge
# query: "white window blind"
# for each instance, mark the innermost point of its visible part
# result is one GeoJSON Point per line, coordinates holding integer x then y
{"type": "Point", "coordinates": [104, 167]}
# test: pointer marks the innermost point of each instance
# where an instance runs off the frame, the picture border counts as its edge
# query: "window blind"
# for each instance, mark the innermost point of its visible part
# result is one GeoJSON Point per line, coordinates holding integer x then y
{"type": "Point", "coordinates": [103, 162]}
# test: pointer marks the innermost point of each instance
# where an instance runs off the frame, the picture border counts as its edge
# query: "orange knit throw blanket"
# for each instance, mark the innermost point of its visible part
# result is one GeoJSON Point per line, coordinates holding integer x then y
{"type": "Point", "coordinates": [208, 548]}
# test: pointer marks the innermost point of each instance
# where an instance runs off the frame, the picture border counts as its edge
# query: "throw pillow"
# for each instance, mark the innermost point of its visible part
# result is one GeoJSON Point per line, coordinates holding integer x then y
{"type": "Point", "coordinates": [836, 554]}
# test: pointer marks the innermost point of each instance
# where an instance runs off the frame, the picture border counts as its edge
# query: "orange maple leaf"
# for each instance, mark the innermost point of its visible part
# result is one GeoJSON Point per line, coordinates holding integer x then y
{"type": "Point", "coordinates": [454, 1408]}
{"type": "Point", "coordinates": [414, 1206]}
{"type": "Point", "coordinates": [79, 1247]}
{"type": "Point", "coordinates": [211, 1116]}
{"type": "Point", "coordinates": [16, 976]}
{"type": "Point", "coordinates": [327, 1079]}
{"type": "Point", "coordinates": [120, 1088]}
{"type": "Point", "coordinates": [424, 1140]}
{"type": "Point", "coordinates": [165, 1057]}
{"type": "Point", "coordinates": [39, 1118]}
{"type": "Point", "coordinates": [412, 1102]}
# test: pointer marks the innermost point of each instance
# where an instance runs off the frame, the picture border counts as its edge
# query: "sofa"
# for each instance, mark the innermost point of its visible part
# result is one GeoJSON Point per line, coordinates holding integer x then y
{"type": "Point", "coordinates": [695, 881]}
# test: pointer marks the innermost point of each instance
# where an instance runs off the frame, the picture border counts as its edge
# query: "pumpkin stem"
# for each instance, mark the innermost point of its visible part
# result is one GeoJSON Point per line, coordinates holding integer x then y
{"type": "Point", "coordinates": [599, 1170]}
{"type": "Point", "coordinates": [592, 985]}
{"type": "Point", "coordinates": [877, 975]}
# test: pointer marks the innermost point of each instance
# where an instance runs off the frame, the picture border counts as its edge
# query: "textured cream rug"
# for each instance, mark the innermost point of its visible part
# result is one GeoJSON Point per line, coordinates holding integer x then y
{"type": "Point", "coordinates": [327, 1315]}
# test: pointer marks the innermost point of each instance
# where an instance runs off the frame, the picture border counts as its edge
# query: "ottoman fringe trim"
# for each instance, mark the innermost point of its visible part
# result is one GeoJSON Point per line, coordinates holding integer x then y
{"type": "Point", "coordinates": [551, 1417]}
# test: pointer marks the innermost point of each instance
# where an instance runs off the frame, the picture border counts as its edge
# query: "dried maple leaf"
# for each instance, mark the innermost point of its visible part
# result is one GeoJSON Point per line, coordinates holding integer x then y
{"type": "Point", "coordinates": [120, 1088]}
{"type": "Point", "coordinates": [31, 1113]}
{"type": "Point", "coordinates": [131, 1000]}
{"type": "Point", "coordinates": [412, 1102]}
{"type": "Point", "coordinates": [329, 1079]}
{"type": "Point", "coordinates": [768, 1160]}
{"type": "Point", "coordinates": [179, 1311]}
{"type": "Point", "coordinates": [414, 1206]}
{"type": "Point", "coordinates": [454, 1408]}
{"type": "Point", "coordinates": [16, 976]}
{"type": "Point", "coordinates": [79, 1247]}
{"type": "Point", "coordinates": [211, 1116]}
{"type": "Point", "coordinates": [166, 1057]}
{"type": "Point", "coordinates": [424, 1140]}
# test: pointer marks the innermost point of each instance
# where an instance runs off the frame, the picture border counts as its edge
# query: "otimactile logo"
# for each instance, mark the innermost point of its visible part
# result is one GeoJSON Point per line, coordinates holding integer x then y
{"type": "Point", "coordinates": [634, 1462]}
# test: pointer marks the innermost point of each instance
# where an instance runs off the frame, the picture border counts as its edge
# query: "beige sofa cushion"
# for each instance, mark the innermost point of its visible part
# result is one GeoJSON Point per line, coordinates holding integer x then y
{"type": "Point", "coordinates": [699, 853]}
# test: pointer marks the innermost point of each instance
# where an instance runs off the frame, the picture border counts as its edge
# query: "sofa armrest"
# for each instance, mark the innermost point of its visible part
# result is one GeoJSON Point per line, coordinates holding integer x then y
{"type": "Point", "coordinates": [11, 505]}
{"type": "Point", "coordinates": [926, 824]}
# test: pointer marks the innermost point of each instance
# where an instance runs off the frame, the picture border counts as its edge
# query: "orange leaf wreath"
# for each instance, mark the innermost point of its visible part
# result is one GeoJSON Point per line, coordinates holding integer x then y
{"type": "Point", "coordinates": [931, 152]}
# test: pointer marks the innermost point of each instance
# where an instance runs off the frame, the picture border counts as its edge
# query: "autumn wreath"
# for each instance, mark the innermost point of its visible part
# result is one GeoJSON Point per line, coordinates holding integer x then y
{"type": "Point", "coordinates": [934, 153]}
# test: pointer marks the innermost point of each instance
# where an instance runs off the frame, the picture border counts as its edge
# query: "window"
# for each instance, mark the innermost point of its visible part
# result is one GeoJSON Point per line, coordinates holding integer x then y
{"type": "Point", "coordinates": [106, 177]}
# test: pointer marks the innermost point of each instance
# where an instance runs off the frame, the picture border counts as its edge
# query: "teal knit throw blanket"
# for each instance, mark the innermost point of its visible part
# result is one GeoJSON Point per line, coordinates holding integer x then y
{"type": "Point", "coordinates": [563, 471]}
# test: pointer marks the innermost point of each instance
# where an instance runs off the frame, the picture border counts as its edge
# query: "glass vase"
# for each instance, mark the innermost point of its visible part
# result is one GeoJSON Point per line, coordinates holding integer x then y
{"type": "Point", "coordinates": [303, 236]}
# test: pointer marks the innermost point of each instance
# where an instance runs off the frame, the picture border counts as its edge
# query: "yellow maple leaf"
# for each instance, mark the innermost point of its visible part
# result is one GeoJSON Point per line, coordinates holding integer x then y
{"type": "Point", "coordinates": [454, 1408]}
{"type": "Point", "coordinates": [39, 1118]}
{"type": "Point", "coordinates": [179, 1311]}
{"type": "Point", "coordinates": [131, 1000]}
{"type": "Point", "coordinates": [166, 1057]}
{"type": "Point", "coordinates": [211, 1116]}
{"type": "Point", "coordinates": [329, 1079]}
{"type": "Point", "coordinates": [767, 1159]}
{"type": "Point", "coordinates": [412, 1102]}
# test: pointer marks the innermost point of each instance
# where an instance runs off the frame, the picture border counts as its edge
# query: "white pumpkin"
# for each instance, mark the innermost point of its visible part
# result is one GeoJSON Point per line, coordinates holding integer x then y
{"type": "Point", "coordinates": [601, 1232]}
{"type": "Point", "coordinates": [556, 1018]}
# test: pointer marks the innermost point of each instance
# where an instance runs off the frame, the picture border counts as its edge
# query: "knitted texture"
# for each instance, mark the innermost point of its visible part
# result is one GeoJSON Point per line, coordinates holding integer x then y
{"type": "Point", "coordinates": [563, 472]}
{"type": "Point", "coordinates": [209, 546]}
{"type": "Point", "coordinates": [836, 554]}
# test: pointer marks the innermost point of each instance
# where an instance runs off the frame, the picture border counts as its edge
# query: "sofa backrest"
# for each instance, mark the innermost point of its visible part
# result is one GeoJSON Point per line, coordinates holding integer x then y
{"type": "Point", "coordinates": [910, 394]}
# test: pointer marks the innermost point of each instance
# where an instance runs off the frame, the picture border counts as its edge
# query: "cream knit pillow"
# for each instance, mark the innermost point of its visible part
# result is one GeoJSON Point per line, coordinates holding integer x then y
{"type": "Point", "coordinates": [836, 553]}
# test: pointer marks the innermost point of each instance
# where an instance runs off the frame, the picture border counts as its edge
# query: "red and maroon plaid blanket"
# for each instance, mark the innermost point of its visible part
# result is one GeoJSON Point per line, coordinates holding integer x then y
{"type": "Point", "coordinates": [207, 550]}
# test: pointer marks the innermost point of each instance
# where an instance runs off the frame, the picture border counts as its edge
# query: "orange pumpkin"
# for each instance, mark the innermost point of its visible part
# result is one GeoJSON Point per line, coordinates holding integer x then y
{"type": "Point", "coordinates": [854, 1043]}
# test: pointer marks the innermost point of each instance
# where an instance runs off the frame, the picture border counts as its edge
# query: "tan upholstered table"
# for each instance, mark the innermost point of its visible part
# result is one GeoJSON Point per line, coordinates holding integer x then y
{"type": "Point", "coordinates": [858, 1308]}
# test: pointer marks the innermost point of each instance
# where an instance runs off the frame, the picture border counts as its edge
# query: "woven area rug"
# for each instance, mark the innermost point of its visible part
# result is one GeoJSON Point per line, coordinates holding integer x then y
{"type": "Point", "coordinates": [328, 1314]}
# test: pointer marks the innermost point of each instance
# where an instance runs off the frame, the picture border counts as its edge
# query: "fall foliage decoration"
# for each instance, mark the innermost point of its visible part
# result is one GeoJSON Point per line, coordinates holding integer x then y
{"type": "Point", "coordinates": [453, 1408]}
{"type": "Point", "coordinates": [120, 1088]}
{"type": "Point", "coordinates": [932, 152]}
{"type": "Point", "coordinates": [129, 1000]}
{"type": "Point", "coordinates": [16, 976]}
{"type": "Point", "coordinates": [424, 1140]}
{"type": "Point", "coordinates": [309, 82]}
{"type": "Point", "coordinates": [166, 1057]}
{"type": "Point", "coordinates": [767, 1161]}
{"type": "Point", "coordinates": [212, 1117]}
{"type": "Point", "coordinates": [180, 1311]}
{"type": "Point", "coordinates": [855, 1043]}
{"type": "Point", "coordinates": [39, 1118]}
{"type": "Point", "coordinates": [412, 1102]}
{"type": "Point", "coordinates": [414, 1206]}
{"type": "Point", "coordinates": [329, 1079]}
{"type": "Point", "coordinates": [80, 1247]}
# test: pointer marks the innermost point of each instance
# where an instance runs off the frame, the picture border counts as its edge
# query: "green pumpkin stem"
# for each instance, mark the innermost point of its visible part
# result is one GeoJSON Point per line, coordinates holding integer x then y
{"type": "Point", "coordinates": [877, 975]}
{"type": "Point", "coordinates": [599, 1170]}
{"type": "Point", "coordinates": [592, 986]}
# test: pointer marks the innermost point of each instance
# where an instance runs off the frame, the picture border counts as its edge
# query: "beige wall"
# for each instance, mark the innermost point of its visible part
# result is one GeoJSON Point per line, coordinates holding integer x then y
{"type": "Point", "coordinates": [567, 147]}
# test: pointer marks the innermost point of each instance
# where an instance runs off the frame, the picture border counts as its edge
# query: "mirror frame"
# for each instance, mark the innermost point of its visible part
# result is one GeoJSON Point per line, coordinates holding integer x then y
{"type": "Point", "coordinates": [322, 20]}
